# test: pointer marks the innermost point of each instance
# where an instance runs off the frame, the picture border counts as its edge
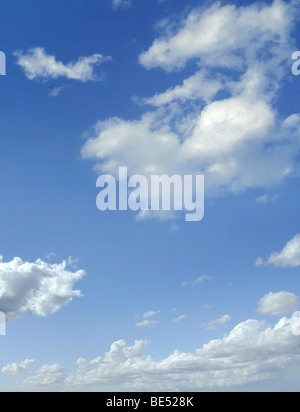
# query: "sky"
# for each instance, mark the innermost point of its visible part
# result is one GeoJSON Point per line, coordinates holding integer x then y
{"type": "Point", "coordinates": [132, 301]}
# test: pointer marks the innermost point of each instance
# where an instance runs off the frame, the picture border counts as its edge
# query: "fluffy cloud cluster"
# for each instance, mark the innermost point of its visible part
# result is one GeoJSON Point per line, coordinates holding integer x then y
{"type": "Point", "coordinates": [36, 63]}
{"type": "Point", "coordinates": [279, 303]}
{"type": "Point", "coordinates": [236, 137]}
{"type": "Point", "coordinates": [221, 36]}
{"type": "Point", "coordinates": [288, 257]}
{"type": "Point", "coordinates": [18, 368]}
{"type": "Point", "coordinates": [40, 288]}
{"type": "Point", "coordinates": [47, 376]}
{"type": "Point", "coordinates": [251, 352]}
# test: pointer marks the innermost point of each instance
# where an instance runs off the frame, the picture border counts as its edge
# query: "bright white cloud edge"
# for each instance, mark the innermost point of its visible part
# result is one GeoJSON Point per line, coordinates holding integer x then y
{"type": "Point", "coordinates": [289, 256]}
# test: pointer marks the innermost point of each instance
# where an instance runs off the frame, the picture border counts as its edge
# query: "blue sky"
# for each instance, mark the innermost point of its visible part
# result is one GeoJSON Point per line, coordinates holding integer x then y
{"type": "Point", "coordinates": [181, 87]}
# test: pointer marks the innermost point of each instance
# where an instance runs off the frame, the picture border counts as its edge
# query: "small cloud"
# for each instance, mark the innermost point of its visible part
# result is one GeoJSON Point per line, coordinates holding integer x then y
{"type": "Point", "coordinates": [179, 318]}
{"type": "Point", "coordinates": [56, 90]}
{"type": "Point", "coordinates": [266, 198]}
{"type": "Point", "coordinates": [279, 303]}
{"type": "Point", "coordinates": [117, 4]}
{"type": "Point", "coordinates": [200, 279]}
{"type": "Point", "coordinates": [207, 306]}
{"type": "Point", "coordinates": [145, 323]}
{"type": "Point", "coordinates": [148, 314]}
{"type": "Point", "coordinates": [51, 255]}
{"type": "Point", "coordinates": [259, 262]}
{"type": "Point", "coordinates": [18, 368]}
{"type": "Point", "coordinates": [37, 64]}
{"type": "Point", "coordinates": [212, 325]}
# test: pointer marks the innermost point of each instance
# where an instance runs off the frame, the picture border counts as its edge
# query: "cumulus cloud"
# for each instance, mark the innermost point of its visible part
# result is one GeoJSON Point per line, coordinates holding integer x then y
{"type": "Point", "coordinates": [279, 303]}
{"type": "Point", "coordinates": [47, 375]}
{"type": "Point", "coordinates": [228, 29]}
{"type": "Point", "coordinates": [39, 287]}
{"type": "Point", "coordinates": [18, 368]}
{"type": "Point", "coordinates": [36, 63]}
{"type": "Point", "coordinates": [251, 352]}
{"type": "Point", "coordinates": [213, 324]}
{"type": "Point", "coordinates": [288, 257]}
{"type": "Point", "coordinates": [237, 140]}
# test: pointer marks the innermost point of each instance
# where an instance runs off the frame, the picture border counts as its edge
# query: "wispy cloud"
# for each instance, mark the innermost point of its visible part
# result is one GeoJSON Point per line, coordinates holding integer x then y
{"type": "Point", "coordinates": [145, 323]}
{"type": "Point", "coordinates": [56, 90]}
{"type": "Point", "coordinates": [179, 318]}
{"type": "Point", "coordinates": [267, 198]}
{"type": "Point", "coordinates": [118, 4]}
{"type": "Point", "coordinates": [200, 279]}
{"type": "Point", "coordinates": [212, 325]}
{"type": "Point", "coordinates": [37, 64]}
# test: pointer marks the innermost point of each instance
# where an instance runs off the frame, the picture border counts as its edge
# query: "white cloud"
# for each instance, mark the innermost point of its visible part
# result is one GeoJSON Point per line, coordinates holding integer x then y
{"type": "Point", "coordinates": [266, 198]}
{"type": "Point", "coordinates": [117, 4]}
{"type": "Point", "coordinates": [47, 375]}
{"type": "Point", "coordinates": [212, 325]}
{"type": "Point", "coordinates": [195, 87]}
{"type": "Point", "coordinates": [239, 141]}
{"type": "Point", "coordinates": [288, 257]}
{"type": "Point", "coordinates": [40, 288]}
{"type": "Point", "coordinates": [36, 63]}
{"type": "Point", "coordinates": [279, 303]}
{"type": "Point", "coordinates": [18, 368]}
{"type": "Point", "coordinates": [145, 323]}
{"type": "Point", "coordinates": [251, 352]}
{"type": "Point", "coordinates": [200, 279]}
{"type": "Point", "coordinates": [55, 91]}
{"type": "Point", "coordinates": [219, 34]}
{"type": "Point", "coordinates": [179, 318]}
{"type": "Point", "coordinates": [150, 314]}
